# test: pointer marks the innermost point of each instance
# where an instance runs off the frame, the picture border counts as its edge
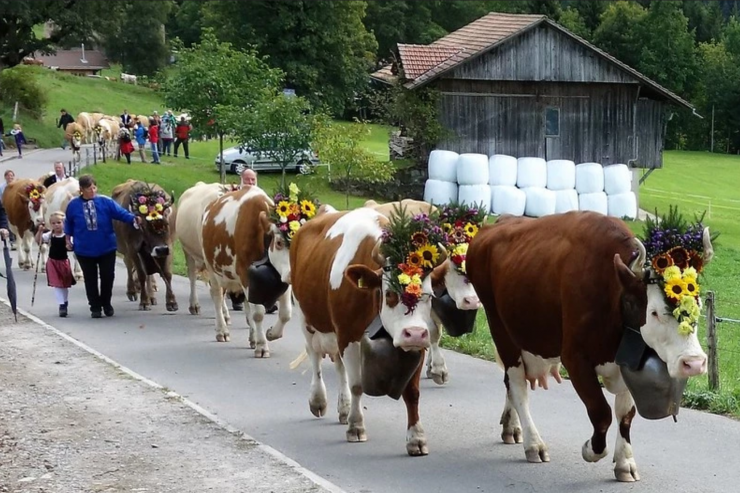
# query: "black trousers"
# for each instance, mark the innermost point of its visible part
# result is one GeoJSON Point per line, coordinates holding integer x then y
{"type": "Point", "coordinates": [105, 265]}
{"type": "Point", "coordinates": [184, 143]}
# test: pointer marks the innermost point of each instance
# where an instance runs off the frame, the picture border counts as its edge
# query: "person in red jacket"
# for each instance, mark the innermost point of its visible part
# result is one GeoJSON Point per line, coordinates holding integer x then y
{"type": "Point", "coordinates": [154, 139]}
{"type": "Point", "coordinates": [127, 147]}
{"type": "Point", "coordinates": [182, 136]}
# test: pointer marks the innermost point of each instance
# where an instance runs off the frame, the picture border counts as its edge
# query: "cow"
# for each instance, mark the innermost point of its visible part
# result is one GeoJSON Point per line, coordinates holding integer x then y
{"type": "Point", "coordinates": [147, 250]}
{"type": "Point", "coordinates": [24, 204]}
{"type": "Point", "coordinates": [339, 289]}
{"type": "Point", "coordinates": [107, 131]}
{"type": "Point", "coordinates": [564, 288]}
{"type": "Point", "coordinates": [128, 78]}
{"type": "Point", "coordinates": [86, 125]}
{"type": "Point", "coordinates": [75, 134]}
{"type": "Point", "coordinates": [234, 231]}
{"type": "Point", "coordinates": [56, 198]}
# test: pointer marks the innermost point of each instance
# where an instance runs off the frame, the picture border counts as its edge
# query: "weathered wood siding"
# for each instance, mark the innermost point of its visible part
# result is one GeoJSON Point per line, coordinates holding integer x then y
{"type": "Point", "coordinates": [596, 121]}
{"type": "Point", "coordinates": [542, 54]}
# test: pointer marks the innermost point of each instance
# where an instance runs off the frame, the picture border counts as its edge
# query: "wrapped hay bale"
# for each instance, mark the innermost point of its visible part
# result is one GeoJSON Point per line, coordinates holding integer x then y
{"type": "Point", "coordinates": [472, 169]}
{"type": "Point", "coordinates": [475, 196]}
{"type": "Point", "coordinates": [566, 201]}
{"type": "Point", "coordinates": [589, 178]}
{"type": "Point", "coordinates": [531, 172]}
{"type": "Point", "coordinates": [502, 170]}
{"type": "Point", "coordinates": [593, 202]}
{"type": "Point", "coordinates": [540, 202]}
{"type": "Point", "coordinates": [622, 205]}
{"type": "Point", "coordinates": [617, 179]}
{"type": "Point", "coordinates": [561, 174]}
{"type": "Point", "coordinates": [508, 200]}
{"type": "Point", "coordinates": [440, 192]}
{"type": "Point", "coordinates": [443, 165]}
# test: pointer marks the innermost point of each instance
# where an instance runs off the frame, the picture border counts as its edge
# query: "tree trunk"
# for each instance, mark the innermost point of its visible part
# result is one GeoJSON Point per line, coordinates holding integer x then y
{"type": "Point", "coordinates": [222, 169]}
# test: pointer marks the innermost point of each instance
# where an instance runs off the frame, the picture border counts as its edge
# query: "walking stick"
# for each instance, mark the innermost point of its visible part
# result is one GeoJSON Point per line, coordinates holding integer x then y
{"type": "Point", "coordinates": [36, 276]}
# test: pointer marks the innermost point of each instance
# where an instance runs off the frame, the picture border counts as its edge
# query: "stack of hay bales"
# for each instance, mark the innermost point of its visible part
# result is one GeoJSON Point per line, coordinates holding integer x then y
{"type": "Point", "coordinates": [506, 198]}
{"type": "Point", "coordinates": [472, 179]}
{"type": "Point", "coordinates": [441, 187]}
{"type": "Point", "coordinates": [620, 199]}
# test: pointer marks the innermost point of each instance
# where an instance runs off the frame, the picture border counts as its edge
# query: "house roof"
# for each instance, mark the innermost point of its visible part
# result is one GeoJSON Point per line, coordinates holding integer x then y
{"type": "Point", "coordinates": [72, 60]}
{"type": "Point", "coordinates": [481, 36]}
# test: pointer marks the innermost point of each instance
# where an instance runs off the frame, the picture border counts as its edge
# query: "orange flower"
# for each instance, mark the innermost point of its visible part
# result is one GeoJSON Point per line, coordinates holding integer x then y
{"type": "Point", "coordinates": [295, 208]}
{"type": "Point", "coordinates": [661, 262]}
{"type": "Point", "coordinates": [410, 270]}
{"type": "Point", "coordinates": [414, 289]}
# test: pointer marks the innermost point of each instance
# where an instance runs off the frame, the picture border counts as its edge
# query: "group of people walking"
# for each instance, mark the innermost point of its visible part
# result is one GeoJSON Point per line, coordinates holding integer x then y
{"type": "Point", "coordinates": [165, 135]}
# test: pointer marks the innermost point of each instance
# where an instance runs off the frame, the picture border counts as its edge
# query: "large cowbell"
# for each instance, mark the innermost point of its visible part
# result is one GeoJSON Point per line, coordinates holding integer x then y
{"type": "Point", "coordinates": [386, 369]}
{"type": "Point", "coordinates": [265, 285]}
{"type": "Point", "coordinates": [455, 321]}
{"type": "Point", "coordinates": [657, 395]}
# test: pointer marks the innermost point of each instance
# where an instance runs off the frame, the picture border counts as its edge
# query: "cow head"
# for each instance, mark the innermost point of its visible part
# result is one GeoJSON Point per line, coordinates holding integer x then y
{"type": "Point", "coordinates": [154, 207]}
{"type": "Point", "coordinates": [672, 302]}
{"type": "Point", "coordinates": [34, 198]}
{"type": "Point", "coordinates": [293, 208]}
{"type": "Point", "coordinates": [408, 252]}
{"type": "Point", "coordinates": [76, 139]}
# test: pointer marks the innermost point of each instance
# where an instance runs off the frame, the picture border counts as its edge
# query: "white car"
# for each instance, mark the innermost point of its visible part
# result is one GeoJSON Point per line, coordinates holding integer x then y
{"type": "Point", "coordinates": [237, 158]}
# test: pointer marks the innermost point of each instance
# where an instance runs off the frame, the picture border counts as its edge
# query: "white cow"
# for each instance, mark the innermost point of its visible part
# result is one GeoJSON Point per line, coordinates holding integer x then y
{"type": "Point", "coordinates": [107, 134]}
{"type": "Point", "coordinates": [56, 198]}
{"type": "Point", "coordinates": [86, 123]}
{"type": "Point", "coordinates": [128, 78]}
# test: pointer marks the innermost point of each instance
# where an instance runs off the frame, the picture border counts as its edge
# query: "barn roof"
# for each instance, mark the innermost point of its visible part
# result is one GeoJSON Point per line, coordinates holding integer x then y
{"type": "Point", "coordinates": [72, 60]}
{"type": "Point", "coordinates": [480, 36]}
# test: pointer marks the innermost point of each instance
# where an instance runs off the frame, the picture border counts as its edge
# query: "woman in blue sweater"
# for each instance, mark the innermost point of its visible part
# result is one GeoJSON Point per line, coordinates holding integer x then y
{"type": "Point", "coordinates": [89, 230]}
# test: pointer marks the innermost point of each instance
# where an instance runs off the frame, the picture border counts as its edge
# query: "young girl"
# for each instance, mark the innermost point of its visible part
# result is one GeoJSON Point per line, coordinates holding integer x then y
{"type": "Point", "coordinates": [20, 139]}
{"type": "Point", "coordinates": [58, 271]}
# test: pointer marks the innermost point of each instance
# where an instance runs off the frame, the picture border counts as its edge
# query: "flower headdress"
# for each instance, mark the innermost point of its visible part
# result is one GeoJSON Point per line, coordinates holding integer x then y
{"type": "Point", "coordinates": [35, 192]}
{"type": "Point", "coordinates": [460, 224]}
{"type": "Point", "coordinates": [151, 204]}
{"type": "Point", "coordinates": [675, 250]}
{"type": "Point", "coordinates": [410, 247]}
{"type": "Point", "coordinates": [293, 207]}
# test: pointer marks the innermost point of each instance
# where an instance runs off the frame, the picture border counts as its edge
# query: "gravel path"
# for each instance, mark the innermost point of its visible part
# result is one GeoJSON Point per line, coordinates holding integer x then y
{"type": "Point", "coordinates": [70, 422]}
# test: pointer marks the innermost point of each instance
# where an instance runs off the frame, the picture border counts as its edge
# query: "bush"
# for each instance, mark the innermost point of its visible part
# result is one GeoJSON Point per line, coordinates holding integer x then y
{"type": "Point", "coordinates": [19, 84]}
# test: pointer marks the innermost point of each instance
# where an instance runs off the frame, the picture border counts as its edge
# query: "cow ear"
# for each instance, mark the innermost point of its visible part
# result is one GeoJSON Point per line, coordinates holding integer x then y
{"type": "Point", "coordinates": [438, 276]}
{"type": "Point", "coordinates": [363, 277]}
{"type": "Point", "coordinates": [265, 222]}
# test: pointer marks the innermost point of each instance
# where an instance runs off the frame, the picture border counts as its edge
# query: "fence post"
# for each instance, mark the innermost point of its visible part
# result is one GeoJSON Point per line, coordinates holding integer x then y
{"type": "Point", "coordinates": [712, 343]}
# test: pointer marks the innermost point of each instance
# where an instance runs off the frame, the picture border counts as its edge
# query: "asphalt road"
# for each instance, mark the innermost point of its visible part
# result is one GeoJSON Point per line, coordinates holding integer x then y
{"type": "Point", "coordinates": [269, 401]}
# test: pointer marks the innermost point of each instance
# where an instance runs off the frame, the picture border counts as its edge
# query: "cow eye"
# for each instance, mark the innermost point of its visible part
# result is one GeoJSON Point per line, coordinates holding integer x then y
{"type": "Point", "coordinates": [654, 313]}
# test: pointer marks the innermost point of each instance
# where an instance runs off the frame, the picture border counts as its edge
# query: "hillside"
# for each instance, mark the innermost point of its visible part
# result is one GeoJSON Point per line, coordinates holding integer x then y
{"type": "Point", "coordinates": [76, 94]}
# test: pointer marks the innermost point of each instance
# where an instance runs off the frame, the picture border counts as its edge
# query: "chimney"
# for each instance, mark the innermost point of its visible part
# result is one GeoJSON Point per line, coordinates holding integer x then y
{"type": "Point", "coordinates": [83, 60]}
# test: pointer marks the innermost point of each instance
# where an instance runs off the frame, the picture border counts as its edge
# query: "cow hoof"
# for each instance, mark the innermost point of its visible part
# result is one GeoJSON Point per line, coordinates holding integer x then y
{"type": "Point", "coordinates": [271, 335]}
{"type": "Point", "coordinates": [417, 447]}
{"type": "Point", "coordinates": [194, 310]}
{"type": "Point", "coordinates": [261, 352]}
{"type": "Point", "coordinates": [512, 437]}
{"type": "Point", "coordinates": [318, 408]}
{"type": "Point", "coordinates": [440, 376]}
{"type": "Point", "coordinates": [171, 307]}
{"type": "Point", "coordinates": [589, 455]}
{"type": "Point", "coordinates": [252, 343]}
{"type": "Point", "coordinates": [144, 308]}
{"type": "Point", "coordinates": [537, 453]}
{"type": "Point", "coordinates": [223, 337]}
{"type": "Point", "coordinates": [132, 296]}
{"type": "Point", "coordinates": [626, 471]}
{"type": "Point", "coordinates": [356, 434]}
{"type": "Point", "coordinates": [153, 300]}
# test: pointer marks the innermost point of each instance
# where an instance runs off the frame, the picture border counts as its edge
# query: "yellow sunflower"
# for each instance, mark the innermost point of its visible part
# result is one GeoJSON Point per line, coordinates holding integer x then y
{"type": "Point", "coordinates": [283, 208]}
{"type": "Point", "coordinates": [675, 288]}
{"type": "Point", "coordinates": [34, 194]}
{"type": "Point", "coordinates": [143, 209]}
{"type": "Point", "coordinates": [691, 286]}
{"type": "Point", "coordinates": [447, 228]}
{"type": "Point", "coordinates": [419, 238]}
{"type": "Point", "coordinates": [414, 259]}
{"type": "Point", "coordinates": [308, 208]}
{"type": "Point", "coordinates": [471, 229]}
{"type": "Point", "coordinates": [429, 255]}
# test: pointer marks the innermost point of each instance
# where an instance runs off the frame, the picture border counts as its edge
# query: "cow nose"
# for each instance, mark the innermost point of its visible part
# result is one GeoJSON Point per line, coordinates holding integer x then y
{"type": "Point", "coordinates": [161, 251]}
{"type": "Point", "coordinates": [415, 337]}
{"type": "Point", "coordinates": [470, 303]}
{"type": "Point", "coordinates": [691, 366]}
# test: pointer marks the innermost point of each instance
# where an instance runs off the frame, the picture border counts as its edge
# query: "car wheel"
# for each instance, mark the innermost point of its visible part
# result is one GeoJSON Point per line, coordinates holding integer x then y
{"type": "Point", "coordinates": [305, 167]}
{"type": "Point", "coordinates": [237, 167]}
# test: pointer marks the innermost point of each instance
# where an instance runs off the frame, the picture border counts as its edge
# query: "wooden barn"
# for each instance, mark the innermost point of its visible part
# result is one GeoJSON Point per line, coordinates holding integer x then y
{"type": "Point", "coordinates": [76, 61]}
{"type": "Point", "coordinates": [525, 86]}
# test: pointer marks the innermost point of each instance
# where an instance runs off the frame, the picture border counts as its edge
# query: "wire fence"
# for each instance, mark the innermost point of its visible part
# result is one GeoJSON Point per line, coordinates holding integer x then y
{"type": "Point", "coordinates": [723, 334]}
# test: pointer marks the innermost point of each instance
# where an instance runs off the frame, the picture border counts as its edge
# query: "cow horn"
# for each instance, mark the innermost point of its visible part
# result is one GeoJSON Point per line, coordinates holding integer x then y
{"type": "Point", "coordinates": [377, 256]}
{"type": "Point", "coordinates": [637, 265]}
{"type": "Point", "coordinates": [442, 253]}
{"type": "Point", "coordinates": [708, 248]}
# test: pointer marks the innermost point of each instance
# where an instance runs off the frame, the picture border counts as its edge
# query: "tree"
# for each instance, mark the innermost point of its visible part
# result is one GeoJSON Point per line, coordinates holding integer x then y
{"type": "Point", "coordinates": [341, 147]}
{"type": "Point", "coordinates": [550, 8]}
{"type": "Point", "coordinates": [705, 18]}
{"type": "Point", "coordinates": [620, 32]}
{"type": "Point", "coordinates": [720, 73]}
{"type": "Point", "coordinates": [213, 78]}
{"type": "Point", "coordinates": [186, 21]}
{"type": "Point", "coordinates": [572, 21]}
{"type": "Point", "coordinates": [590, 11]}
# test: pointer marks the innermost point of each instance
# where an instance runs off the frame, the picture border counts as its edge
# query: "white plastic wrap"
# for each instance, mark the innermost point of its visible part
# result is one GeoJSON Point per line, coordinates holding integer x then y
{"type": "Point", "coordinates": [566, 201]}
{"type": "Point", "coordinates": [589, 178]}
{"type": "Point", "coordinates": [502, 170]}
{"type": "Point", "coordinates": [593, 202]}
{"type": "Point", "coordinates": [531, 172]}
{"type": "Point", "coordinates": [561, 174]}
{"type": "Point", "coordinates": [622, 205]}
{"type": "Point", "coordinates": [617, 179]}
{"type": "Point", "coordinates": [508, 200]}
{"type": "Point", "coordinates": [540, 202]}
{"type": "Point", "coordinates": [475, 196]}
{"type": "Point", "coordinates": [443, 165]}
{"type": "Point", "coordinates": [472, 169]}
{"type": "Point", "coordinates": [440, 192]}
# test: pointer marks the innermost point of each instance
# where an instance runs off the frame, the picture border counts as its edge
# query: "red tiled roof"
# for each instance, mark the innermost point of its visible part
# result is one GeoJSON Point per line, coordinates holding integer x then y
{"type": "Point", "coordinates": [72, 60]}
{"type": "Point", "coordinates": [418, 59]}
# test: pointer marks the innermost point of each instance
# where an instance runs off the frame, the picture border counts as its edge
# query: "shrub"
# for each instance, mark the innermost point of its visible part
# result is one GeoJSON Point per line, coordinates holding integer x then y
{"type": "Point", "coordinates": [19, 84]}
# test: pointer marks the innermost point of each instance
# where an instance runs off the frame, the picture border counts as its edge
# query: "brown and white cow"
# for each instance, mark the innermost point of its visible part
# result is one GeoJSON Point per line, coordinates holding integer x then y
{"type": "Point", "coordinates": [147, 250]}
{"type": "Point", "coordinates": [75, 134]}
{"type": "Point", "coordinates": [25, 212]}
{"type": "Point", "coordinates": [234, 229]}
{"type": "Point", "coordinates": [558, 289]}
{"type": "Point", "coordinates": [86, 122]}
{"type": "Point", "coordinates": [339, 289]}
{"type": "Point", "coordinates": [56, 198]}
{"type": "Point", "coordinates": [106, 132]}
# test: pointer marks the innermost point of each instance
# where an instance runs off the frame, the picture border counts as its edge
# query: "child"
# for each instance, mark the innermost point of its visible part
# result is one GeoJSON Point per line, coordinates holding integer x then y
{"type": "Point", "coordinates": [58, 271]}
{"type": "Point", "coordinates": [20, 139]}
{"type": "Point", "coordinates": [125, 144]}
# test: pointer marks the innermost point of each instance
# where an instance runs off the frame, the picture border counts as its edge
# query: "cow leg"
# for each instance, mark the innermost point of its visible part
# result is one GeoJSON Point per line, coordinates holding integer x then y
{"type": "Point", "coordinates": [170, 302]}
{"type": "Point", "coordinates": [194, 304]}
{"type": "Point", "coordinates": [416, 440]}
{"type": "Point", "coordinates": [257, 315]}
{"type": "Point", "coordinates": [131, 283]}
{"type": "Point", "coordinates": [317, 397]}
{"type": "Point", "coordinates": [150, 289]}
{"type": "Point", "coordinates": [343, 400]}
{"type": "Point", "coordinates": [356, 420]}
{"type": "Point", "coordinates": [436, 365]}
{"type": "Point", "coordinates": [144, 295]}
{"type": "Point", "coordinates": [511, 428]}
{"type": "Point", "coordinates": [625, 468]}
{"type": "Point", "coordinates": [247, 311]}
{"type": "Point", "coordinates": [535, 448]}
{"type": "Point", "coordinates": [285, 309]}
{"type": "Point", "coordinates": [25, 258]}
{"type": "Point", "coordinates": [225, 310]}
{"type": "Point", "coordinates": [217, 295]}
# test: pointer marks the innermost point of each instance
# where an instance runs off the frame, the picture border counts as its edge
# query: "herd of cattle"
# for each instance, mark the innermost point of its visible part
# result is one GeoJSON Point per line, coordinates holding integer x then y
{"type": "Point", "coordinates": [555, 289]}
{"type": "Point", "coordinates": [97, 128]}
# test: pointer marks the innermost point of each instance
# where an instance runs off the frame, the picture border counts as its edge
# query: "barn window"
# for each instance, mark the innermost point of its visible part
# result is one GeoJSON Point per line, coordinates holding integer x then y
{"type": "Point", "coordinates": [552, 122]}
